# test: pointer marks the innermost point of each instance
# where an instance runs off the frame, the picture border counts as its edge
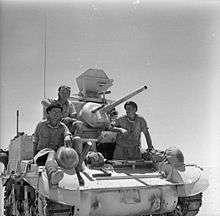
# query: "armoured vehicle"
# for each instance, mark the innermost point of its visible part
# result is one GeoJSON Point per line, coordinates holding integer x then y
{"type": "Point", "coordinates": [115, 188]}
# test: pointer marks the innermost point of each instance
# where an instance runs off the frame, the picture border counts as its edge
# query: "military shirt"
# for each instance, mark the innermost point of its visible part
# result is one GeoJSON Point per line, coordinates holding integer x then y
{"type": "Point", "coordinates": [47, 136]}
{"type": "Point", "coordinates": [134, 128]}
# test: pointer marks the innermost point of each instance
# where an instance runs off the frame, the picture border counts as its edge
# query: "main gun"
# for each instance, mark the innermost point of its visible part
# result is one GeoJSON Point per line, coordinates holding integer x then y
{"type": "Point", "coordinates": [96, 115]}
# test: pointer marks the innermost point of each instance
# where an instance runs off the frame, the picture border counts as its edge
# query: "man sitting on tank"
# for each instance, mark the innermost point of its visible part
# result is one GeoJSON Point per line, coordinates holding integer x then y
{"type": "Point", "coordinates": [128, 142]}
{"type": "Point", "coordinates": [68, 110]}
{"type": "Point", "coordinates": [171, 165]}
{"type": "Point", "coordinates": [49, 136]}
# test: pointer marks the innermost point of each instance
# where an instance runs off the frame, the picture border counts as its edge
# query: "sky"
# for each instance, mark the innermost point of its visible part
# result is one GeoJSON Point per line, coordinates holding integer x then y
{"type": "Point", "coordinates": [170, 46]}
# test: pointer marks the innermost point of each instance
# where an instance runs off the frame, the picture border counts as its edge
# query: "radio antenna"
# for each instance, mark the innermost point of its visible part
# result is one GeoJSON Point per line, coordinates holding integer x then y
{"type": "Point", "coordinates": [17, 117]}
{"type": "Point", "coordinates": [45, 54]}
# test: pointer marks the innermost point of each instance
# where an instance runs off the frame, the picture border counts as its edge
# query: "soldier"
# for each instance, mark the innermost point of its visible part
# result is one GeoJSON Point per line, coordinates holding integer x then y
{"type": "Point", "coordinates": [49, 136]}
{"type": "Point", "coordinates": [68, 110]}
{"type": "Point", "coordinates": [128, 141]}
{"type": "Point", "coordinates": [51, 133]}
{"type": "Point", "coordinates": [172, 165]}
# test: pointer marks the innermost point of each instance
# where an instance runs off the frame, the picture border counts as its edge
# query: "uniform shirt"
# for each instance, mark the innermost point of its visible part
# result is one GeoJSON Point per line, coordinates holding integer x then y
{"type": "Point", "coordinates": [68, 108]}
{"type": "Point", "coordinates": [47, 136]}
{"type": "Point", "coordinates": [134, 128]}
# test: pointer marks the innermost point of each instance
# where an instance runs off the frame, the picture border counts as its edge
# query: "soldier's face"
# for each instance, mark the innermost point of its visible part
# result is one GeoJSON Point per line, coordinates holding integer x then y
{"type": "Point", "coordinates": [130, 111]}
{"type": "Point", "coordinates": [64, 94]}
{"type": "Point", "coordinates": [55, 114]}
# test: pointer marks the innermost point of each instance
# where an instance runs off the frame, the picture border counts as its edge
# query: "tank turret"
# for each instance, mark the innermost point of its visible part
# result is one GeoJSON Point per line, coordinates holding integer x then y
{"type": "Point", "coordinates": [93, 85]}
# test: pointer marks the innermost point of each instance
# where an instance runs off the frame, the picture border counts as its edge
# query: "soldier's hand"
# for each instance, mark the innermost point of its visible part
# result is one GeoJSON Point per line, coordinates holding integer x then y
{"type": "Point", "coordinates": [100, 138]}
{"type": "Point", "coordinates": [68, 141]}
{"type": "Point", "coordinates": [123, 131]}
{"type": "Point", "coordinates": [78, 125]}
{"type": "Point", "coordinates": [66, 120]}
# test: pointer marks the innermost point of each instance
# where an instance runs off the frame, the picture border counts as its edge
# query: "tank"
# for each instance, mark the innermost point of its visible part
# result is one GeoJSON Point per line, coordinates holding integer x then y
{"type": "Point", "coordinates": [110, 188]}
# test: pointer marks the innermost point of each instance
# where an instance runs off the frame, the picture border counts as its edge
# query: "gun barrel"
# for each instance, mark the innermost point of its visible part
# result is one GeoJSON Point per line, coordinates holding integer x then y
{"type": "Point", "coordinates": [116, 103]}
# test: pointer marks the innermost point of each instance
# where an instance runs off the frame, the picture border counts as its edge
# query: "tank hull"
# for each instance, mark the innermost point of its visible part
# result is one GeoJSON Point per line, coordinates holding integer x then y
{"type": "Point", "coordinates": [132, 201]}
{"type": "Point", "coordinates": [120, 194]}
{"type": "Point", "coordinates": [119, 191]}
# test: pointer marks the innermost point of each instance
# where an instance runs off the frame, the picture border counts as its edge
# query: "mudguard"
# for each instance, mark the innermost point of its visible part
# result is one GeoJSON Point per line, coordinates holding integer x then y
{"type": "Point", "coordinates": [194, 181]}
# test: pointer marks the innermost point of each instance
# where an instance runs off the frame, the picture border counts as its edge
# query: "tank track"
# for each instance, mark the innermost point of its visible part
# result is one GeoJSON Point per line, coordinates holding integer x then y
{"type": "Point", "coordinates": [188, 206]}
{"type": "Point", "coordinates": [15, 203]}
{"type": "Point", "coordinates": [7, 208]}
